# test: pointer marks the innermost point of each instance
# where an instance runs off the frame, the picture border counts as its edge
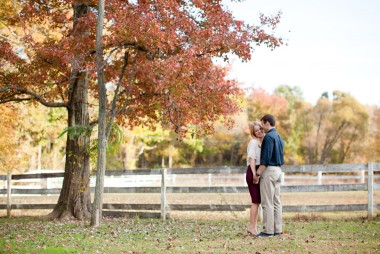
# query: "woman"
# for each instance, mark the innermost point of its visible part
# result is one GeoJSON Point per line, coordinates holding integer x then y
{"type": "Point", "coordinates": [253, 163]}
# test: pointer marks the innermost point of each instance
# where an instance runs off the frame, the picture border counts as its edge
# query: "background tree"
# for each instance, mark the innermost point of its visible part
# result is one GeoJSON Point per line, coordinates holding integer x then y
{"type": "Point", "coordinates": [260, 102]}
{"type": "Point", "coordinates": [9, 142]}
{"type": "Point", "coordinates": [167, 49]}
{"type": "Point", "coordinates": [297, 122]}
{"type": "Point", "coordinates": [144, 147]}
{"type": "Point", "coordinates": [339, 125]}
{"type": "Point", "coordinates": [373, 143]}
{"type": "Point", "coordinates": [35, 130]}
{"type": "Point", "coordinates": [228, 146]}
{"type": "Point", "coordinates": [38, 134]}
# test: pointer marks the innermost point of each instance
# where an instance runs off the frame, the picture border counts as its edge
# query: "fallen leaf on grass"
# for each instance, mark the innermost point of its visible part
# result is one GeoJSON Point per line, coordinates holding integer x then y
{"type": "Point", "coordinates": [225, 244]}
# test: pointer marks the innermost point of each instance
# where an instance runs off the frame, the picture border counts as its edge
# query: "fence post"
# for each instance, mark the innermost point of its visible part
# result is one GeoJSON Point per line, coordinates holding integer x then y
{"type": "Point", "coordinates": [174, 180]}
{"type": "Point", "coordinates": [163, 193]}
{"type": "Point", "coordinates": [362, 176]}
{"type": "Point", "coordinates": [9, 192]}
{"type": "Point", "coordinates": [370, 189]}
{"type": "Point", "coordinates": [319, 177]}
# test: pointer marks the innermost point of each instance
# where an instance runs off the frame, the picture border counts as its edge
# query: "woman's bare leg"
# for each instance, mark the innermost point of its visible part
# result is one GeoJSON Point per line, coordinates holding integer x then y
{"type": "Point", "coordinates": [253, 217]}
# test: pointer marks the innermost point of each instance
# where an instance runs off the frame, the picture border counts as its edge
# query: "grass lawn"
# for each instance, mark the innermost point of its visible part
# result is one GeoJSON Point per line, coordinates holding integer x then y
{"type": "Point", "coordinates": [302, 235]}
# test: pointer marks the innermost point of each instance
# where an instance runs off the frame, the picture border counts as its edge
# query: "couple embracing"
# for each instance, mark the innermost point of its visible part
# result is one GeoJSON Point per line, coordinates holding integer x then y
{"type": "Point", "coordinates": [265, 155]}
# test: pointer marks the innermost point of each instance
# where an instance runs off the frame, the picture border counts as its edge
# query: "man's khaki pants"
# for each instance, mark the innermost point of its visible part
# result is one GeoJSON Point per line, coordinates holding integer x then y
{"type": "Point", "coordinates": [270, 180]}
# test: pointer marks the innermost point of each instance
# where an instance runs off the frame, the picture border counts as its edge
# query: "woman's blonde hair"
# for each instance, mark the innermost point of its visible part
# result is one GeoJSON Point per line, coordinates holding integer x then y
{"type": "Point", "coordinates": [252, 127]}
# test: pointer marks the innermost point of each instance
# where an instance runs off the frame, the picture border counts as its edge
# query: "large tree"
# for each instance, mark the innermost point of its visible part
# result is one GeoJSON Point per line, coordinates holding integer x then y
{"type": "Point", "coordinates": [158, 62]}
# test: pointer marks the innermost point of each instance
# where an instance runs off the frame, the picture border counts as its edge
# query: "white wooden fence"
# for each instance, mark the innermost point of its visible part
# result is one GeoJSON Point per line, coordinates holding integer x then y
{"type": "Point", "coordinates": [361, 177]}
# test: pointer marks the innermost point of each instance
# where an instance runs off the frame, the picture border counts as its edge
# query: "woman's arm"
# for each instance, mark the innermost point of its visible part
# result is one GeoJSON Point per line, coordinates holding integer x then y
{"type": "Point", "coordinates": [252, 163]}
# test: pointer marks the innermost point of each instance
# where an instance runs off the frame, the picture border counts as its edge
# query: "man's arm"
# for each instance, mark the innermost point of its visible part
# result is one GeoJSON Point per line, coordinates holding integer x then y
{"type": "Point", "coordinates": [266, 151]}
{"type": "Point", "coordinates": [266, 154]}
{"type": "Point", "coordinates": [260, 170]}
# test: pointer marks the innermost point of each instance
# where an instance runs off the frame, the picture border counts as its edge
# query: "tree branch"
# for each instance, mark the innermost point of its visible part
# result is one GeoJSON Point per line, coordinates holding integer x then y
{"type": "Point", "coordinates": [15, 100]}
{"type": "Point", "coordinates": [34, 96]}
{"type": "Point", "coordinates": [11, 32]}
{"type": "Point", "coordinates": [113, 109]}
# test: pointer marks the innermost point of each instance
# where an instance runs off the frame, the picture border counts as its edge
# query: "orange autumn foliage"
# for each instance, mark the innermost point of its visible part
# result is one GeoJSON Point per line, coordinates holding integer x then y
{"type": "Point", "coordinates": [8, 139]}
{"type": "Point", "coordinates": [261, 102]}
{"type": "Point", "coordinates": [168, 47]}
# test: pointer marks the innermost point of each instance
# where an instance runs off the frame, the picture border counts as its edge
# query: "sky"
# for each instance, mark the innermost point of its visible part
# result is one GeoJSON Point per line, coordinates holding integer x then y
{"type": "Point", "coordinates": [332, 45]}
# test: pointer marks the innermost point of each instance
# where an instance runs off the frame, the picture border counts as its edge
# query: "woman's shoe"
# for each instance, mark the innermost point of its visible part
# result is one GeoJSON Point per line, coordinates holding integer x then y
{"type": "Point", "coordinates": [251, 232]}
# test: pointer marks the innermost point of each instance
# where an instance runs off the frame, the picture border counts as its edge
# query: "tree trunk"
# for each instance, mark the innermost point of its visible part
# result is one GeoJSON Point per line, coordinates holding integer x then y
{"type": "Point", "coordinates": [54, 162]}
{"type": "Point", "coordinates": [129, 160]}
{"type": "Point", "coordinates": [39, 157]}
{"type": "Point", "coordinates": [74, 200]}
{"type": "Point", "coordinates": [102, 139]}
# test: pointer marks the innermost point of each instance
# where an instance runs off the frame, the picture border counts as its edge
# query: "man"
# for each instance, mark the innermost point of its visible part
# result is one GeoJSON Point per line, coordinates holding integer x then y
{"type": "Point", "coordinates": [269, 172]}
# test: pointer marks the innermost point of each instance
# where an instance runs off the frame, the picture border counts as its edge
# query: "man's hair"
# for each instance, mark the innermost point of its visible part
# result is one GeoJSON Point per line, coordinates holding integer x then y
{"type": "Point", "coordinates": [269, 118]}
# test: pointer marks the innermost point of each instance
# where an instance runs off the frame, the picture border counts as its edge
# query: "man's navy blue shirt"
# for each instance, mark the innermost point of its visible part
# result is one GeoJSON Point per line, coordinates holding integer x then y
{"type": "Point", "coordinates": [272, 149]}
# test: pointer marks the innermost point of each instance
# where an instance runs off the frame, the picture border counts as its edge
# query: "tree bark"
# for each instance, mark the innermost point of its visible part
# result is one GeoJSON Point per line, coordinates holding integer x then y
{"type": "Point", "coordinates": [75, 199]}
{"type": "Point", "coordinates": [102, 139]}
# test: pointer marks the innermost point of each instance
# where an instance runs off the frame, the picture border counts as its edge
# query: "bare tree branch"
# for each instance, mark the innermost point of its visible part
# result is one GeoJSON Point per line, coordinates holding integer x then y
{"type": "Point", "coordinates": [113, 110]}
{"type": "Point", "coordinates": [15, 100]}
{"type": "Point", "coordinates": [34, 96]}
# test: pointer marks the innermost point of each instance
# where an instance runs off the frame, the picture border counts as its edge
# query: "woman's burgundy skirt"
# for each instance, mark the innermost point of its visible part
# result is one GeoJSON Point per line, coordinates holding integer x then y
{"type": "Point", "coordinates": [254, 189]}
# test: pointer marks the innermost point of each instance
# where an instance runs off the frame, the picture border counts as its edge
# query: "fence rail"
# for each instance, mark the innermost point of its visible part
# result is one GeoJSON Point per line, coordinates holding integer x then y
{"type": "Point", "coordinates": [163, 177]}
